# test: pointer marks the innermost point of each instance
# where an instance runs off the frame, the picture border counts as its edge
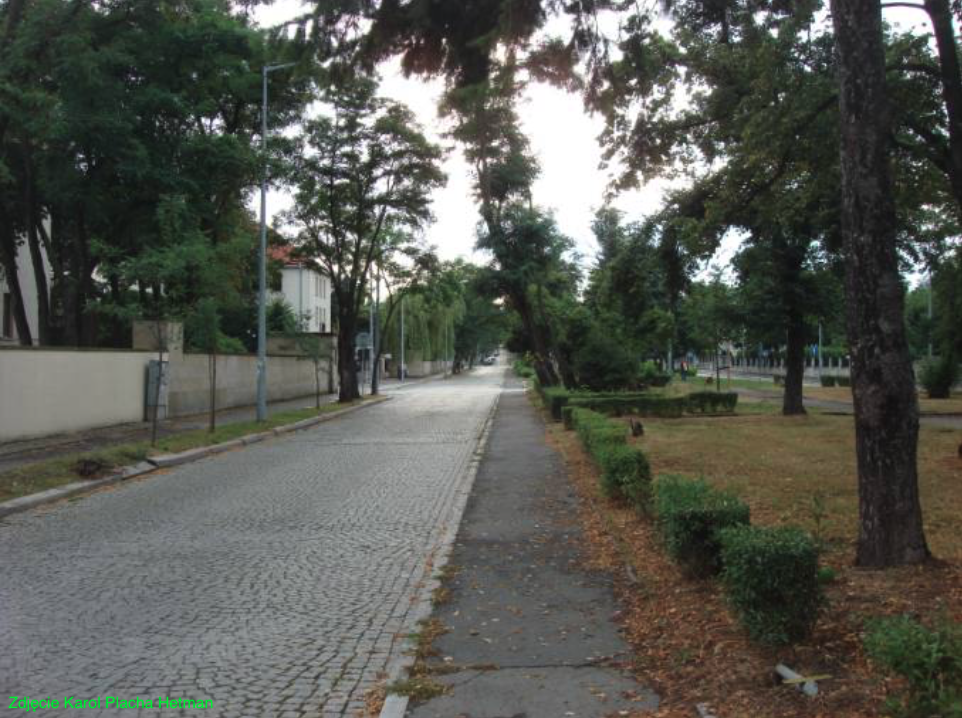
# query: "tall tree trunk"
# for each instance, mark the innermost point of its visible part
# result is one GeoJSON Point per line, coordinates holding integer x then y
{"type": "Point", "coordinates": [542, 361]}
{"type": "Point", "coordinates": [883, 385]}
{"type": "Point", "coordinates": [345, 364]}
{"type": "Point", "coordinates": [941, 16]}
{"type": "Point", "coordinates": [792, 401]}
{"type": "Point", "coordinates": [790, 256]}
{"type": "Point", "coordinates": [567, 375]}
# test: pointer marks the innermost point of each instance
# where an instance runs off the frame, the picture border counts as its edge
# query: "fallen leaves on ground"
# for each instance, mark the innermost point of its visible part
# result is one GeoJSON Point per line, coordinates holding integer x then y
{"type": "Point", "coordinates": [690, 649]}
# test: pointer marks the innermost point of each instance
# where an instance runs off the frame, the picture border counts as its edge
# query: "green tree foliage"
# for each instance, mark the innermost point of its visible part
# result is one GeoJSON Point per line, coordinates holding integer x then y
{"type": "Point", "coordinates": [111, 113]}
{"type": "Point", "coordinates": [363, 174]}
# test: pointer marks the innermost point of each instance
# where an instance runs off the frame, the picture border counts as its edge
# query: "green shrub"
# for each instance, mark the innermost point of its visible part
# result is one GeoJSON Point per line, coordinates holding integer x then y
{"type": "Point", "coordinates": [641, 404]}
{"type": "Point", "coordinates": [625, 473]}
{"type": "Point", "coordinates": [772, 581]}
{"type": "Point", "coordinates": [624, 469]}
{"type": "Point", "coordinates": [930, 660]}
{"type": "Point", "coordinates": [651, 375]}
{"type": "Point", "coordinates": [938, 376]}
{"type": "Point", "coordinates": [523, 369]}
{"type": "Point", "coordinates": [555, 397]}
{"type": "Point", "coordinates": [603, 361]}
{"type": "Point", "coordinates": [596, 431]}
{"type": "Point", "coordinates": [711, 402]}
{"type": "Point", "coordinates": [827, 379]}
{"type": "Point", "coordinates": [690, 514]}
{"type": "Point", "coordinates": [827, 575]}
{"type": "Point", "coordinates": [843, 380]}
{"type": "Point", "coordinates": [566, 417]}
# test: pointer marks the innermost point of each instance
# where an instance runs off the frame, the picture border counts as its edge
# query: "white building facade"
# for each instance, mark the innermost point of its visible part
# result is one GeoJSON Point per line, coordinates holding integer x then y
{"type": "Point", "coordinates": [306, 289]}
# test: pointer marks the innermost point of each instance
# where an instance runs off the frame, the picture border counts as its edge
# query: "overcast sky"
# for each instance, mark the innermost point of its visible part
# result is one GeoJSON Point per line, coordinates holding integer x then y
{"type": "Point", "coordinates": [563, 136]}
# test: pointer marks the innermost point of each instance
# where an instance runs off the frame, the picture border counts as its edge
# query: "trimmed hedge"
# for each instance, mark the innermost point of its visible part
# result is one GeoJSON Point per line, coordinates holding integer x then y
{"type": "Point", "coordinates": [827, 379]}
{"type": "Point", "coordinates": [557, 398]}
{"type": "Point", "coordinates": [625, 473]}
{"type": "Point", "coordinates": [711, 402]}
{"type": "Point", "coordinates": [641, 404]}
{"type": "Point", "coordinates": [624, 469]}
{"type": "Point", "coordinates": [771, 580]}
{"type": "Point", "coordinates": [690, 515]}
{"type": "Point", "coordinates": [843, 380]}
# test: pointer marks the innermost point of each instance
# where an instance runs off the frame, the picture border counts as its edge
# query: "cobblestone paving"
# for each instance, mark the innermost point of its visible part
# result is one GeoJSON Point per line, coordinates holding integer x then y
{"type": "Point", "coordinates": [277, 580]}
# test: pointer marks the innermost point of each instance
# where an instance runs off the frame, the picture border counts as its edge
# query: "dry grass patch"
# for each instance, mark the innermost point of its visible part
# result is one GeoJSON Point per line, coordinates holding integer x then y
{"type": "Point", "coordinates": [686, 643]}
{"type": "Point", "coordinates": [801, 470]}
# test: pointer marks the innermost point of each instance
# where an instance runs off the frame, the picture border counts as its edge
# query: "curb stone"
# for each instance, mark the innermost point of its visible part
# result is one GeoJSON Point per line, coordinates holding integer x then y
{"type": "Point", "coordinates": [163, 461]}
{"type": "Point", "coordinates": [25, 503]}
{"type": "Point", "coordinates": [395, 706]}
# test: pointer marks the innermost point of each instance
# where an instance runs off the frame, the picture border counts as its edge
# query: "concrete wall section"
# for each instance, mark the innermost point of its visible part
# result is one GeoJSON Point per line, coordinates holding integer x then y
{"type": "Point", "coordinates": [49, 392]}
{"type": "Point", "coordinates": [287, 378]}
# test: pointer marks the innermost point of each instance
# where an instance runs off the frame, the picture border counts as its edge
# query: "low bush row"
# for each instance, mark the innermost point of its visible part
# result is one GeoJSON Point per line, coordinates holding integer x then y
{"type": "Point", "coordinates": [625, 473]}
{"type": "Point", "coordinates": [711, 402]}
{"type": "Point", "coordinates": [668, 407]}
{"type": "Point", "coordinates": [640, 404]}
{"type": "Point", "coordinates": [690, 516]}
{"type": "Point", "coordinates": [770, 575]}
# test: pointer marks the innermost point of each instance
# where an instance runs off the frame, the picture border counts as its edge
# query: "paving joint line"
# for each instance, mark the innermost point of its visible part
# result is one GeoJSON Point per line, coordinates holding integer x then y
{"type": "Point", "coordinates": [165, 461]}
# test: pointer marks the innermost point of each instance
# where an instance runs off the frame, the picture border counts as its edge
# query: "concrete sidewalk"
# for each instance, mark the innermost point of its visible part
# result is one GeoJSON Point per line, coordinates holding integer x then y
{"type": "Point", "coordinates": [530, 629]}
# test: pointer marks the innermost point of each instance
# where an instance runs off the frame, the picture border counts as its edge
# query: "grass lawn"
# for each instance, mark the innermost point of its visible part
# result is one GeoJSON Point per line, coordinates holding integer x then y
{"type": "Point", "coordinates": [802, 470]}
{"type": "Point", "coordinates": [50, 474]}
{"type": "Point", "coordinates": [952, 405]}
{"type": "Point", "coordinates": [798, 470]}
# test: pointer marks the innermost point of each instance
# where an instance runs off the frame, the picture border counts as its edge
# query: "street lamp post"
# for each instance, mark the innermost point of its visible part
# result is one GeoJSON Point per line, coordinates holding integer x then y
{"type": "Point", "coordinates": [401, 370]}
{"type": "Point", "coordinates": [930, 314]}
{"type": "Point", "coordinates": [262, 258]}
{"type": "Point", "coordinates": [376, 338]}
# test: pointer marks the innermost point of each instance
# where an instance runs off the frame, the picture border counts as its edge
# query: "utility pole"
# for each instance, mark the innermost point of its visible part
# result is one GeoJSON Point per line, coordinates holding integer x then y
{"type": "Point", "coordinates": [262, 257]}
{"type": "Point", "coordinates": [401, 371]}
{"type": "Point", "coordinates": [370, 339]}
{"type": "Point", "coordinates": [930, 314]}
{"type": "Point", "coordinates": [376, 338]}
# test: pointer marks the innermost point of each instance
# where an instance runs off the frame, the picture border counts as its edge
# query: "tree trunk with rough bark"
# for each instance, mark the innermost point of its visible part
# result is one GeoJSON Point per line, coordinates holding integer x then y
{"type": "Point", "coordinates": [791, 260]}
{"type": "Point", "coordinates": [542, 360]}
{"type": "Point", "coordinates": [883, 384]}
{"type": "Point", "coordinates": [348, 390]}
{"type": "Point", "coordinates": [792, 400]}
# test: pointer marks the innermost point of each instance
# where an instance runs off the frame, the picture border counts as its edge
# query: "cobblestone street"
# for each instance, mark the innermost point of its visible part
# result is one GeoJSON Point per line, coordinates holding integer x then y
{"type": "Point", "coordinates": [277, 580]}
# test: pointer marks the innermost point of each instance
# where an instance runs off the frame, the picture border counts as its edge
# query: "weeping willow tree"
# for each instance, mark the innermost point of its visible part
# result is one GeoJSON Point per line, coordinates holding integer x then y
{"type": "Point", "coordinates": [429, 329]}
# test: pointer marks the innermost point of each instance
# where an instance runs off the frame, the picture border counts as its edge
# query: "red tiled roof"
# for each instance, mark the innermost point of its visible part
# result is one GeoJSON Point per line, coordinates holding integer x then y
{"type": "Point", "coordinates": [284, 253]}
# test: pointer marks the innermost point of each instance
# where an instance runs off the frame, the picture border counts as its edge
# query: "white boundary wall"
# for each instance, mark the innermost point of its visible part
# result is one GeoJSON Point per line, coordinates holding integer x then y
{"type": "Point", "coordinates": [50, 391]}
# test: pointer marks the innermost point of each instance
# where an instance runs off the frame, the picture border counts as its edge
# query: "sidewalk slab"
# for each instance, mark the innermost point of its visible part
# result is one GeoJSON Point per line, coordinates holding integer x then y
{"type": "Point", "coordinates": [530, 630]}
